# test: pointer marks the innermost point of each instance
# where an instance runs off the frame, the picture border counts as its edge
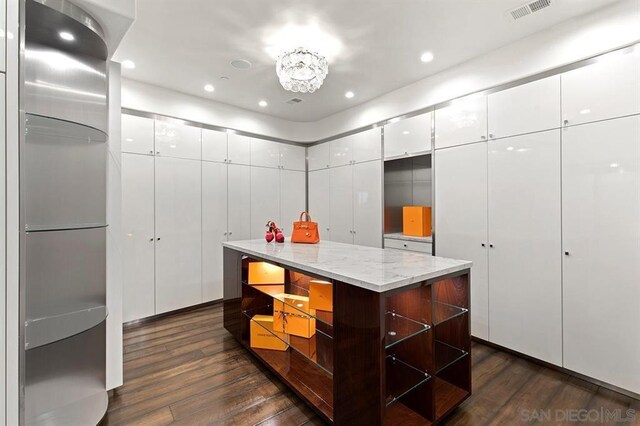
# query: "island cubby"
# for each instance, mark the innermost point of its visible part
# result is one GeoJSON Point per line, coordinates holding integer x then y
{"type": "Point", "coordinates": [400, 356]}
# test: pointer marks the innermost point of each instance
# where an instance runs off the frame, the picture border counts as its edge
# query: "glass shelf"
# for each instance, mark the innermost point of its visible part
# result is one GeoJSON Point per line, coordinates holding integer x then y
{"type": "Point", "coordinates": [401, 378]}
{"type": "Point", "coordinates": [447, 355]}
{"type": "Point", "coordinates": [277, 292]}
{"type": "Point", "coordinates": [400, 328]}
{"type": "Point", "coordinates": [443, 312]}
{"type": "Point", "coordinates": [318, 348]}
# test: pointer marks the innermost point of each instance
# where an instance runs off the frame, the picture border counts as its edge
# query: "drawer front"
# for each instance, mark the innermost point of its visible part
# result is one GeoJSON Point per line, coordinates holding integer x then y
{"type": "Point", "coordinates": [407, 245]}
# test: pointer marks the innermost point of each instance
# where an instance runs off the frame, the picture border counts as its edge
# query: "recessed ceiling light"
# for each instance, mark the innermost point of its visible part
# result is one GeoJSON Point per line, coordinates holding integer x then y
{"type": "Point", "coordinates": [585, 111]}
{"type": "Point", "coordinates": [66, 35]}
{"type": "Point", "coordinates": [349, 95]}
{"type": "Point", "coordinates": [426, 57]}
{"type": "Point", "coordinates": [509, 148]}
{"type": "Point", "coordinates": [241, 64]}
{"type": "Point", "coordinates": [209, 88]}
{"type": "Point", "coordinates": [614, 165]}
{"type": "Point", "coordinates": [406, 132]}
{"type": "Point", "coordinates": [128, 64]}
{"type": "Point", "coordinates": [263, 103]}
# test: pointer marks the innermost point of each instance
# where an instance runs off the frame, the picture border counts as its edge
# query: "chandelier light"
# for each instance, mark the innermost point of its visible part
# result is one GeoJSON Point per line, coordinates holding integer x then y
{"type": "Point", "coordinates": [300, 70]}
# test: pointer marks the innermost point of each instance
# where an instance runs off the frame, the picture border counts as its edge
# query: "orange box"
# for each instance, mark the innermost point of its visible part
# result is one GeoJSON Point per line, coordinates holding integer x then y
{"type": "Point", "coordinates": [265, 273]}
{"type": "Point", "coordinates": [264, 337]}
{"type": "Point", "coordinates": [416, 221]}
{"type": "Point", "coordinates": [306, 346]}
{"type": "Point", "coordinates": [321, 295]}
{"type": "Point", "coordinates": [292, 315]}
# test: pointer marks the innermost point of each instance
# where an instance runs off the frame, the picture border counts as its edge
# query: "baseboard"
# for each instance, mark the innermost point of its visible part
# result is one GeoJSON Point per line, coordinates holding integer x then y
{"type": "Point", "coordinates": [142, 321]}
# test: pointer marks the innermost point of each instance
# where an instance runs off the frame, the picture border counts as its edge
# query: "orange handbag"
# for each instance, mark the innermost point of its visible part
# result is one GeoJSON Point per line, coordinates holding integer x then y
{"type": "Point", "coordinates": [305, 231]}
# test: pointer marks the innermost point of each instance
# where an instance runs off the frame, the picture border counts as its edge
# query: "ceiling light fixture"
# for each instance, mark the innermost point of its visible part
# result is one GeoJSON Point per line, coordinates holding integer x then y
{"type": "Point", "coordinates": [263, 103]}
{"type": "Point", "coordinates": [426, 57]}
{"type": "Point", "coordinates": [349, 95]}
{"type": "Point", "coordinates": [67, 36]}
{"type": "Point", "coordinates": [300, 70]}
{"type": "Point", "coordinates": [241, 64]}
{"type": "Point", "coordinates": [209, 88]}
{"type": "Point", "coordinates": [128, 64]}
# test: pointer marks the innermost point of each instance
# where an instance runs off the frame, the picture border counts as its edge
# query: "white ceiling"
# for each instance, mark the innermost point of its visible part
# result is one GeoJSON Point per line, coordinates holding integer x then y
{"type": "Point", "coordinates": [373, 46]}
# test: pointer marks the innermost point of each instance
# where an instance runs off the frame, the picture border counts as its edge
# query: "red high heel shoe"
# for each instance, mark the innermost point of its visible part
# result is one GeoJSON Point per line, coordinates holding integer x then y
{"type": "Point", "coordinates": [279, 234]}
{"type": "Point", "coordinates": [269, 235]}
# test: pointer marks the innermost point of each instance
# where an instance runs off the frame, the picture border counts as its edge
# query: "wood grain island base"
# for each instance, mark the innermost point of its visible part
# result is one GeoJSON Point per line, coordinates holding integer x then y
{"type": "Point", "coordinates": [395, 349]}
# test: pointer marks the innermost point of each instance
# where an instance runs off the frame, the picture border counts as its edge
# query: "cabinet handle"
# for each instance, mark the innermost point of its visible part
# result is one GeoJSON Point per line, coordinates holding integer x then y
{"type": "Point", "coordinates": [158, 238]}
{"type": "Point", "coordinates": [491, 135]}
{"type": "Point", "coordinates": [151, 239]}
{"type": "Point", "coordinates": [230, 233]}
{"type": "Point", "coordinates": [224, 233]}
{"type": "Point", "coordinates": [491, 245]}
{"type": "Point", "coordinates": [483, 245]}
{"type": "Point", "coordinates": [566, 122]}
{"type": "Point", "coordinates": [566, 253]}
{"type": "Point", "coordinates": [151, 152]}
{"type": "Point", "coordinates": [327, 229]}
{"type": "Point", "coordinates": [405, 245]}
{"type": "Point", "coordinates": [483, 137]}
{"type": "Point", "coordinates": [157, 152]}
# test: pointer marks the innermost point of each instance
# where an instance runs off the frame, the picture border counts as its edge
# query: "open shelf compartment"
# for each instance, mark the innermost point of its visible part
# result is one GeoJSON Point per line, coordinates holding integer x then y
{"type": "Point", "coordinates": [402, 378]}
{"type": "Point", "coordinates": [447, 355]}
{"type": "Point", "coordinates": [400, 328]}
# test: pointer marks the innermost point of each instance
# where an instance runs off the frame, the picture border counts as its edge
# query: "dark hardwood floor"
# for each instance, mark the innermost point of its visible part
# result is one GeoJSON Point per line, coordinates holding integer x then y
{"type": "Point", "coordinates": [187, 370]}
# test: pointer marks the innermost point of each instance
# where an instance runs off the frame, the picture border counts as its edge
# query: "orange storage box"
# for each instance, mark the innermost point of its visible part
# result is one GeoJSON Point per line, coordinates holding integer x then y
{"type": "Point", "coordinates": [321, 295]}
{"type": "Point", "coordinates": [264, 337]}
{"type": "Point", "coordinates": [265, 273]}
{"type": "Point", "coordinates": [416, 221]}
{"type": "Point", "coordinates": [292, 315]}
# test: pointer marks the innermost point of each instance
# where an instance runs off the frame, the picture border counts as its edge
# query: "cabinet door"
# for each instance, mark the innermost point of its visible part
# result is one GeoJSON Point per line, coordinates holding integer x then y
{"type": "Point", "coordinates": [265, 199]}
{"type": "Point", "coordinates": [238, 149]}
{"type": "Point", "coordinates": [138, 251]}
{"type": "Point", "coordinates": [239, 207]}
{"type": "Point", "coordinates": [531, 107]}
{"type": "Point", "coordinates": [601, 230]}
{"type": "Point", "coordinates": [341, 204]}
{"type": "Point", "coordinates": [293, 157]}
{"type": "Point", "coordinates": [292, 198]}
{"type": "Point", "coordinates": [341, 152]}
{"type": "Point", "coordinates": [265, 153]}
{"type": "Point", "coordinates": [461, 220]}
{"type": "Point", "coordinates": [214, 227]}
{"type": "Point", "coordinates": [137, 134]}
{"type": "Point", "coordinates": [320, 201]}
{"type": "Point", "coordinates": [367, 145]}
{"type": "Point", "coordinates": [319, 156]}
{"type": "Point", "coordinates": [606, 89]}
{"type": "Point", "coordinates": [407, 137]}
{"type": "Point", "coordinates": [367, 204]}
{"type": "Point", "coordinates": [178, 140]}
{"type": "Point", "coordinates": [178, 233]}
{"type": "Point", "coordinates": [525, 278]}
{"type": "Point", "coordinates": [214, 145]}
{"type": "Point", "coordinates": [462, 122]}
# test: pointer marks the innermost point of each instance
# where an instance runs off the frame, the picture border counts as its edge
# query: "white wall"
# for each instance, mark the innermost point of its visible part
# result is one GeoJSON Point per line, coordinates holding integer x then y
{"type": "Point", "coordinates": [114, 234]}
{"type": "Point", "coordinates": [158, 100]}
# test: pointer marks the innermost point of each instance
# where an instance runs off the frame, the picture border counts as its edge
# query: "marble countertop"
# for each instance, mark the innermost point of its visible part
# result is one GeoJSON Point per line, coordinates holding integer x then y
{"type": "Point", "coordinates": [366, 267]}
{"type": "Point", "coordinates": [401, 236]}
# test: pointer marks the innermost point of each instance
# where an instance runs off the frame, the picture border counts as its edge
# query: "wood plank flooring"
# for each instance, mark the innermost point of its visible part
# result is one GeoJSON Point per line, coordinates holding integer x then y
{"type": "Point", "coordinates": [187, 370]}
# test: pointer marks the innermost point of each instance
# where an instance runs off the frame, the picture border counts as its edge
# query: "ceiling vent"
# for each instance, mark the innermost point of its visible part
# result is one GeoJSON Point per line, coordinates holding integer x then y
{"type": "Point", "coordinates": [293, 101]}
{"type": "Point", "coordinates": [529, 8]}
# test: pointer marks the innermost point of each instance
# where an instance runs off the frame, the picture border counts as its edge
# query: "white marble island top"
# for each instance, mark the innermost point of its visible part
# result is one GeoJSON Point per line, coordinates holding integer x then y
{"type": "Point", "coordinates": [367, 267]}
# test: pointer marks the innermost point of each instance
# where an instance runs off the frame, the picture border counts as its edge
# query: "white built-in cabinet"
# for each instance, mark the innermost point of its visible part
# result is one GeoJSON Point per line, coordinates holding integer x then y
{"type": "Point", "coordinates": [238, 149]}
{"type": "Point", "coordinates": [265, 197]}
{"type": "Point", "coordinates": [463, 121]}
{"type": "Point", "coordinates": [214, 146]}
{"type": "Point", "coordinates": [177, 140]}
{"type": "Point", "coordinates": [367, 204]}
{"type": "Point", "coordinates": [341, 204]}
{"type": "Point", "coordinates": [214, 222]}
{"type": "Point", "coordinates": [137, 134]}
{"type": "Point", "coordinates": [239, 202]}
{"type": "Point", "coordinates": [601, 250]}
{"type": "Point", "coordinates": [319, 200]}
{"type": "Point", "coordinates": [319, 156]}
{"type": "Point", "coordinates": [271, 154]}
{"type": "Point", "coordinates": [408, 137]}
{"type": "Point", "coordinates": [293, 200]}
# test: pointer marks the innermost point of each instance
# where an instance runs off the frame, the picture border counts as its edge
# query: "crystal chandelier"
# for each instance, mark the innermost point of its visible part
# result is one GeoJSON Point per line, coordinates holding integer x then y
{"type": "Point", "coordinates": [300, 70]}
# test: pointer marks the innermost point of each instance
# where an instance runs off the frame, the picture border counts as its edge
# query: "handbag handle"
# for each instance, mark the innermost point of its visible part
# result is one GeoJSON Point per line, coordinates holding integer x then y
{"type": "Point", "coordinates": [308, 216]}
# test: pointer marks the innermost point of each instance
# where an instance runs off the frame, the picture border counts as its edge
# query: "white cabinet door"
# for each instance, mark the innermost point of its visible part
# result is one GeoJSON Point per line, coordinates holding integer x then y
{"type": "Point", "coordinates": [601, 230]}
{"type": "Point", "coordinates": [292, 157]}
{"type": "Point", "coordinates": [265, 199]}
{"type": "Point", "coordinates": [265, 153]}
{"type": "Point", "coordinates": [367, 204]}
{"type": "Point", "coordinates": [138, 251]}
{"type": "Point", "coordinates": [214, 227]}
{"type": "Point", "coordinates": [367, 145]}
{"type": "Point", "coordinates": [320, 201]}
{"type": "Point", "coordinates": [461, 220]}
{"type": "Point", "coordinates": [238, 149]}
{"type": "Point", "coordinates": [341, 204]}
{"type": "Point", "coordinates": [292, 198]}
{"type": "Point", "coordinates": [525, 278]}
{"type": "Point", "coordinates": [407, 137]}
{"type": "Point", "coordinates": [606, 89]}
{"type": "Point", "coordinates": [239, 202]}
{"type": "Point", "coordinates": [178, 233]}
{"type": "Point", "coordinates": [214, 145]}
{"type": "Point", "coordinates": [462, 122]}
{"type": "Point", "coordinates": [137, 134]}
{"type": "Point", "coordinates": [531, 107]}
{"type": "Point", "coordinates": [178, 140]}
{"type": "Point", "coordinates": [319, 156]}
{"type": "Point", "coordinates": [341, 152]}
